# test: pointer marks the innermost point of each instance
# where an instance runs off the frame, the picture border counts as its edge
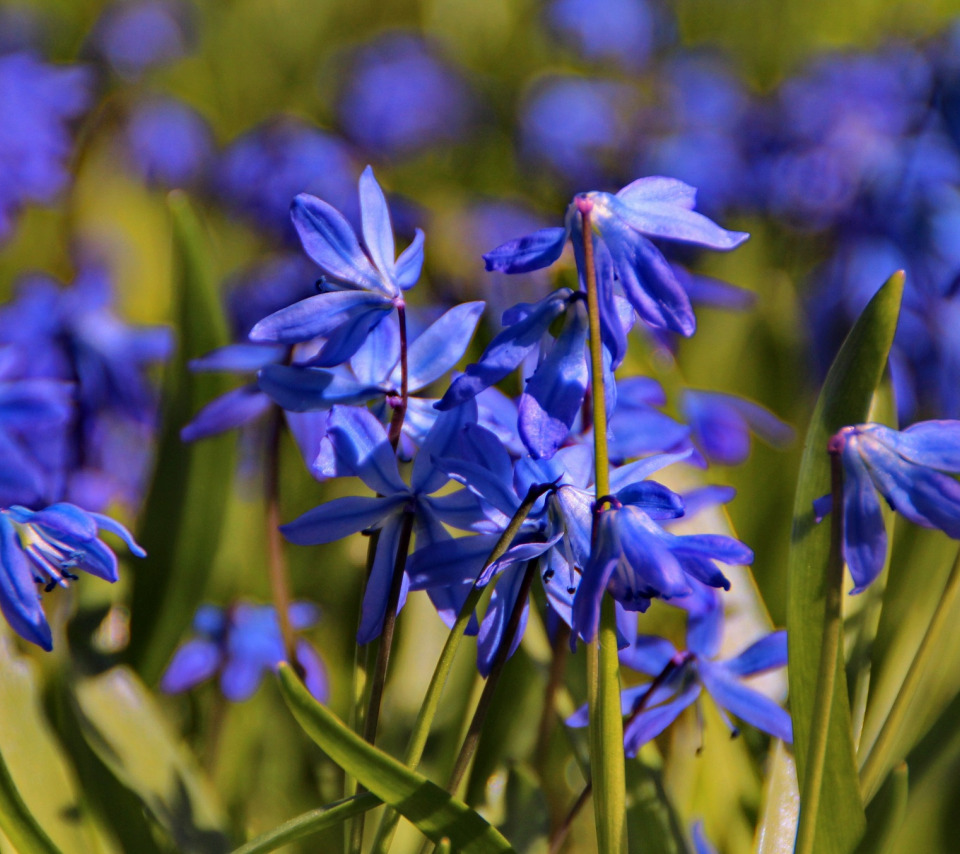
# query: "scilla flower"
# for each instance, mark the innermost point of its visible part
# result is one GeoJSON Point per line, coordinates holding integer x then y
{"type": "Point", "coordinates": [45, 547]}
{"type": "Point", "coordinates": [906, 468]}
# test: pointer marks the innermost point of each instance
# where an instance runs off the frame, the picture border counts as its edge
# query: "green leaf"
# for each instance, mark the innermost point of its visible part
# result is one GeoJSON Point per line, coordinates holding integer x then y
{"type": "Point", "coordinates": [38, 787]}
{"type": "Point", "coordinates": [127, 731]}
{"type": "Point", "coordinates": [315, 821]}
{"type": "Point", "coordinates": [886, 813]}
{"type": "Point", "coordinates": [437, 814]}
{"type": "Point", "coordinates": [845, 399]}
{"type": "Point", "coordinates": [187, 500]}
{"type": "Point", "coordinates": [777, 828]}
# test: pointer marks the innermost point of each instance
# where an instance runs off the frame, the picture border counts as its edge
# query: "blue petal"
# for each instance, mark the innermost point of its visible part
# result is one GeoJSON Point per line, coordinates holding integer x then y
{"type": "Point", "coordinates": [331, 242]}
{"type": "Point", "coordinates": [230, 410]}
{"type": "Point", "coordinates": [375, 596]}
{"type": "Point", "coordinates": [639, 469]}
{"type": "Point", "coordinates": [713, 546]}
{"type": "Point", "coordinates": [532, 252]}
{"type": "Point", "coordinates": [519, 553]}
{"type": "Point", "coordinates": [822, 507]}
{"type": "Point", "coordinates": [481, 482]}
{"type": "Point", "coordinates": [653, 498]}
{"type": "Point", "coordinates": [593, 583]}
{"type": "Point", "coordinates": [864, 535]}
{"type": "Point", "coordinates": [303, 615]}
{"type": "Point", "coordinates": [928, 443]}
{"type": "Point", "coordinates": [410, 262]}
{"type": "Point", "coordinates": [554, 394]}
{"type": "Point", "coordinates": [239, 358]}
{"type": "Point", "coordinates": [649, 568]}
{"type": "Point", "coordinates": [375, 219]}
{"type": "Point", "coordinates": [379, 353]}
{"type": "Point", "coordinates": [314, 671]}
{"type": "Point", "coordinates": [107, 524]}
{"type": "Point", "coordinates": [362, 448]}
{"type": "Point", "coordinates": [344, 341]}
{"type": "Point", "coordinates": [506, 350]}
{"type": "Point", "coordinates": [438, 348]}
{"type": "Point", "coordinates": [706, 496]}
{"type": "Point", "coordinates": [657, 189]}
{"type": "Point", "coordinates": [319, 316]}
{"type": "Point", "coordinates": [635, 432]}
{"type": "Point", "coordinates": [240, 679]}
{"type": "Point", "coordinates": [705, 625]}
{"type": "Point", "coordinates": [449, 562]}
{"type": "Point", "coordinates": [648, 654]}
{"type": "Point", "coordinates": [339, 518]}
{"type": "Point", "coordinates": [299, 389]}
{"type": "Point", "coordinates": [28, 403]}
{"type": "Point", "coordinates": [747, 704]}
{"type": "Point", "coordinates": [768, 653]}
{"type": "Point", "coordinates": [194, 662]}
{"type": "Point", "coordinates": [462, 509]}
{"type": "Point", "coordinates": [19, 600]}
{"type": "Point", "coordinates": [497, 617]}
{"type": "Point", "coordinates": [648, 280]}
{"type": "Point", "coordinates": [482, 446]}
{"type": "Point", "coordinates": [668, 220]}
{"type": "Point", "coordinates": [651, 722]}
{"type": "Point", "coordinates": [66, 521]}
{"type": "Point", "coordinates": [442, 441]}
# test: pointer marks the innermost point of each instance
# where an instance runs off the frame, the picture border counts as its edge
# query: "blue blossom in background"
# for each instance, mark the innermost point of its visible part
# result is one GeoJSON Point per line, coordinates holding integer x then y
{"type": "Point", "coordinates": [907, 468]}
{"type": "Point", "coordinates": [169, 143]}
{"type": "Point", "coordinates": [400, 97]}
{"type": "Point", "coordinates": [137, 36]}
{"type": "Point", "coordinates": [577, 127]}
{"type": "Point", "coordinates": [37, 102]}
{"type": "Point", "coordinates": [262, 170]}
{"type": "Point", "coordinates": [681, 677]}
{"type": "Point", "coordinates": [625, 31]}
{"type": "Point", "coordinates": [721, 425]}
{"type": "Point", "coordinates": [243, 643]}
{"type": "Point", "coordinates": [44, 548]}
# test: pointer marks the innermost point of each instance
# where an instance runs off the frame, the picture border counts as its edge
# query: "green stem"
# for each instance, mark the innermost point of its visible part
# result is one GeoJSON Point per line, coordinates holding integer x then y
{"type": "Point", "coordinates": [827, 670]}
{"type": "Point", "coordinates": [603, 666]}
{"type": "Point", "coordinates": [874, 768]}
{"type": "Point", "coordinates": [431, 701]}
{"type": "Point", "coordinates": [559, 651]}
{"type": "Point", "coordinates": [309, 823]}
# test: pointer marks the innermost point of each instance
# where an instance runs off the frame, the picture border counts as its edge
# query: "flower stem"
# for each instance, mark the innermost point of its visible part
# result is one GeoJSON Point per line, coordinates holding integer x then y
{"type": "Point", "coordinates": [603, 666]}
{"type": "Point", "coordinates": [876, 764]}
{"type": "Point", "coordinates": [431, 701]}
{"type": "Point", "coordinates": [276, 561]}
{"type": "Point", "coordinates": [400, 411]}
{"type": "Point", "coordinates": [558, 666]}
{"type": "Point", "coordinates": [472, 738]}
{"type": "Point", "coordinates": [827, 670]}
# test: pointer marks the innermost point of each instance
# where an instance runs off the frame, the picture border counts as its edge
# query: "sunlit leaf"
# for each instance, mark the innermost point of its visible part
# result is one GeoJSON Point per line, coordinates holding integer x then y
{"type": "Point", "coordinates": [844, 399]}
{"type": "Point", "coordinates": [437, 814]}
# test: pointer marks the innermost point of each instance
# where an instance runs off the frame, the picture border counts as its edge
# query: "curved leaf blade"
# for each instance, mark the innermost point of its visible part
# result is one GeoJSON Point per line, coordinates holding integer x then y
{"type": "Point", "coordinates": [844, 399]}
{"type": "Point", "coordinates": [436, 813]}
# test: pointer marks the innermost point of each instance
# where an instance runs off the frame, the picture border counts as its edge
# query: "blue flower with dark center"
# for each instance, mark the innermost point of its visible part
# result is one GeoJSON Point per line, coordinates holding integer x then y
{"type": "Point", "coordinates": [627, 261]}
{"type": "Point", "coordinates": [45, 547]}
{"type": "Point", "coordinates": [907, 468]}
{"type": "Point", "coordinates": [360, 444]}
{"type": "Point", "coordinates": [680, 677]}
{"type": "Point", "coordinates": [243, 643]}
{"type": "Point", "coordinates": [37, 101]}
{"type": "Point", "coordinates": [361, 284]}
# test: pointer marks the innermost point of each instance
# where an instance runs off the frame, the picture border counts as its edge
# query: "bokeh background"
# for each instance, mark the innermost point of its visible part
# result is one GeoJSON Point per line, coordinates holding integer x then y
{"type": "Point", "coordinates": [829, 131]}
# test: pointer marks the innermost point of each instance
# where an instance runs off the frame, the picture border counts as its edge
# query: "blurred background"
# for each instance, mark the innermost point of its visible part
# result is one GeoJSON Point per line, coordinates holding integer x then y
{"type": "Point", "coordinates": [830, 132]}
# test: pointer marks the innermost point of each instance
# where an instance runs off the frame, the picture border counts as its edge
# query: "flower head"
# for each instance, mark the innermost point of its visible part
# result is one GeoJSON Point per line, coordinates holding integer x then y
{"type": "Point", "coordinates": [45, 547]}
{"type": "Point", "coordinates": [907, 468]}
{"type": "Point", "coordinates": [243, 643]}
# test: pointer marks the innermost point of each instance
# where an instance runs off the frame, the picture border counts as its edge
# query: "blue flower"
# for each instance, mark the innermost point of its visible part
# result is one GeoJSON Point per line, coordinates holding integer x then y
{"type": "Point", "coordinates": [134, 37]}
{"type": "Point", "coordinates": [401, 97]}
{"type": "Point", "coordinates": [37, 101]}
{"type": "Point", "coordinates": [679, 678]}
{"type": "Point", "coordinates": [170, 144]}
{"type": "Point", "coordinates": [906, 468]}
{"type": "Point", "coordinates": [660, 208]}
{"type": "Point", "coordinates": [243, 643]}
{"type": "Point", "coordinates": [44, 547]}
{"type": "Point", "coordinates": [635, 560]}
{"type": "Point", "coordinates": [624, 30]}
{"type": "Point", "coordinates": [266, 167]}
{"type": "Point", "coordinates": [722, 423]}
{"type": "Point", "coordinates": [360, 445]}
{"type": "Point", "coordinates": [362, 284]}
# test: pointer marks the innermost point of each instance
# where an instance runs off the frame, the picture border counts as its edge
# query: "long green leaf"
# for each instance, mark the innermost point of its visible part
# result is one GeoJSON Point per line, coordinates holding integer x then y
{"type": "Point", "coordinates": [128, 732]}
{"type": "Point", "coordinates": [886, 813]}
{"type": "Point", "coordinates": [844, 399]}
{"type": "Point", "coordinates": [187, 500]}
{"type": "Point", "coordinates": [17, 822]}
{"type": "Point", "coordinates": [315, 821]}
{"type": "Point", "coordinates": [437, 814]}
